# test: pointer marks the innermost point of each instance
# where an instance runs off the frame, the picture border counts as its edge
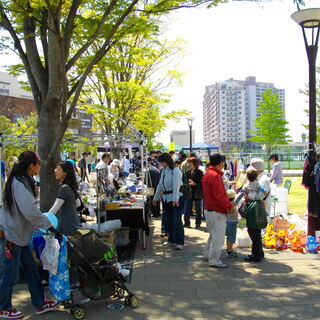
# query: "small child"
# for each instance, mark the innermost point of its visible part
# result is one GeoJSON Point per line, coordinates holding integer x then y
{"type": "Point", "coordinates": [252, 188]}
{"type": "Point", "coordinates": [232, 225]}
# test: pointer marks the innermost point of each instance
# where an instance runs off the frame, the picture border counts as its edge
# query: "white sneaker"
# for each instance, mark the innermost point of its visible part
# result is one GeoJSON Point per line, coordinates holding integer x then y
{"type": "Point", "coordinates": [168, 243]}
{"type": "Point", "coordinates": [219, 265]}
{"type": "Point", "coordinates": [48, 306]}
{"type": "Point", "coordinates": [11, 314]}
{"type": "Point", "coordinates": [179, 247]}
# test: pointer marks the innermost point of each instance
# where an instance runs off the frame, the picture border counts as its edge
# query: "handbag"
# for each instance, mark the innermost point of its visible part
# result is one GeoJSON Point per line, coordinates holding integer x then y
{"type": "Point", "coordinates": [185, 188]}
{"type": "Point", "coordinates": [148, 191]}
{"type": "Point", "coordinates": [256, 215]}
{"type": "Point", "coordinates": [242, 209]}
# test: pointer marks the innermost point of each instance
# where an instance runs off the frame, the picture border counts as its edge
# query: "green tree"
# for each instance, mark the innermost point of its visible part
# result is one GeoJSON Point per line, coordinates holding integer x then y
{"type": "Point", "coordinates": [128, 82]}
{"type": "Point", "coordinates": [271, 125]}
{"type": "Point", "coordinates": [51, 37]}
{"type": "Point", "coordinates": [19, 136]}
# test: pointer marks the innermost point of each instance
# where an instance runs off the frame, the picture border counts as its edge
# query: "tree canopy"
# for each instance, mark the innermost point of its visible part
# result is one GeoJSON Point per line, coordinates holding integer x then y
{"type": "Point", "coordinates": [52, 37]}
{"type": "Point", "coordinates": [129, 82]}
{"type": "Point", "coordinates": [271, 125]}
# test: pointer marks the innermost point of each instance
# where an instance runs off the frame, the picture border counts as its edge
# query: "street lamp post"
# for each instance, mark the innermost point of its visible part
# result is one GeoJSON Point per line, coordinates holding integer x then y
{"type": "Point", "coordinates": [309, 20]}
{"type": "Point", "coordinates": [190, 120]}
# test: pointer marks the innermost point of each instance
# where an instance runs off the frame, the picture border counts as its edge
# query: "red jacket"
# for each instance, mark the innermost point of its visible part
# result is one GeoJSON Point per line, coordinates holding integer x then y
{"type": "Point", "coordinates": [214, 192]}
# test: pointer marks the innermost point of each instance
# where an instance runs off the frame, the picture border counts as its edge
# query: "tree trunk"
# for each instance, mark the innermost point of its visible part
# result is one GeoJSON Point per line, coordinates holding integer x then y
{"type": "Point", "coordinates": [47, 134]}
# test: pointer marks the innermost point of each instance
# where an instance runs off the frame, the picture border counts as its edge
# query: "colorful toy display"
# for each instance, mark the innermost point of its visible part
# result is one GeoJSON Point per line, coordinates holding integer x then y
{"type": "Point", "coordinates": [289, 233]}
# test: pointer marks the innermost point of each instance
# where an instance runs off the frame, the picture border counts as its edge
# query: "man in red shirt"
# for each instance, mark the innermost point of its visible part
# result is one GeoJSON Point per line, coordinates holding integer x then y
{"type": "Point", "coordinates": [216, 207]}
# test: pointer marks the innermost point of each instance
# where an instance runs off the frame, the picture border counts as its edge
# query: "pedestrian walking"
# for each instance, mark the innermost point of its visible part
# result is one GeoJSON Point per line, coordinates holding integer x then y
{"type": "Point", "coordinates": [19, 217]}
{"type": "Point", "coordinates": [193, 178]}
{"type": "Point", "coordinates": [169, 191]}
{"type": "Point", "coordinates": [217, 206]}
{"type": "Point", "coordinates": [276, 175]}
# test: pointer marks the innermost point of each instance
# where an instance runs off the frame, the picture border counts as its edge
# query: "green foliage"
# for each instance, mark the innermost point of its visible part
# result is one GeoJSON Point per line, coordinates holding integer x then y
{"type": "Point", "coordinates": [128, 82]}
{"type": "Point", "coordinates": [20, 136]}
{"type": "Point", "coordinates": [5, 125]}
{"type": "Point", "coordinates": [271, 130]}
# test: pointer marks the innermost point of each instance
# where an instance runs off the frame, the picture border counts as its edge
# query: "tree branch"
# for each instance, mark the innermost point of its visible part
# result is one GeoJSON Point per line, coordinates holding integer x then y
{"type": "Point", "coordinates": [98, 56]}
{"type": "Point", "coordinates": [173, 8]}
{"type": "Point", "coordinates": [5, 22]}
{"type": "Point", "coordinates": [43, 35]}
{"type": "Point", "coordinates": [93, 37]}
{"type": "Point", "coordinates": [29, 31]}
{"type": "Point", "coordinates": [69, 27]}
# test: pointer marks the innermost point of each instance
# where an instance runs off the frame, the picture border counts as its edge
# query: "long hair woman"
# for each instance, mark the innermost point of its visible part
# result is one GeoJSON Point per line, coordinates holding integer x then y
{"type": "Point", "coordinates": [193, 178]}
{"type": "Point", "coordinates": [19, 217]}
{"type": "Point", "coordinates": [169, 191]}
{"type": "Point", "coordinates": [67, 202]}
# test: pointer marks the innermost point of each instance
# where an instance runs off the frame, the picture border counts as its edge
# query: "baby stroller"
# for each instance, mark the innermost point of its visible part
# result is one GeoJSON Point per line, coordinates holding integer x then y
{"type": "Point", "coordinates": [92, 274]}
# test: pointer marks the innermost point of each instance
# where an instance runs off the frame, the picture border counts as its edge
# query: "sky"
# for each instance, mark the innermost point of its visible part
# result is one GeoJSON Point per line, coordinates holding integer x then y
{"type": "Point", "coordinates": [236, 40]}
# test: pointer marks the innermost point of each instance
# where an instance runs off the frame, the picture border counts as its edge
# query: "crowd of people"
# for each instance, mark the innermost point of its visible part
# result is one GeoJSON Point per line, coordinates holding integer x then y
{"type": "Point", "coordinates": [180, 182]}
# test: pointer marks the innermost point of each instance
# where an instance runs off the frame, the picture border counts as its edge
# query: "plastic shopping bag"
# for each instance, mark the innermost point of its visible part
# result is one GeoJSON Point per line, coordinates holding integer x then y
{"type": "Point", "coordinates": [50, 254]}
{"type": "Point", "coordinates": [59, 284]}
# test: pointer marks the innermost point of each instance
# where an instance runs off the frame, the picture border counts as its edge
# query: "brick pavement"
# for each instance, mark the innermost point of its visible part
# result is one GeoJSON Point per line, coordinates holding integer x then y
{"type": "Point", "coordinates": [179, 285]}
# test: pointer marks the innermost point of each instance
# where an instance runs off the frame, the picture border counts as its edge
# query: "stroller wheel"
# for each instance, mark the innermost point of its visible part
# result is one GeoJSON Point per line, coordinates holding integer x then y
{"type": "Point", "coordinates": [78, 312]}
{"type": "Point", "coordinates": [132, 301]}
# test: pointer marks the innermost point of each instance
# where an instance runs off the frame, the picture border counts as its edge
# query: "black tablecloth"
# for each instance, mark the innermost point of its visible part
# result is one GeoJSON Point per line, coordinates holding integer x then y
{"type": "Point", "coordinates": [131, 217]}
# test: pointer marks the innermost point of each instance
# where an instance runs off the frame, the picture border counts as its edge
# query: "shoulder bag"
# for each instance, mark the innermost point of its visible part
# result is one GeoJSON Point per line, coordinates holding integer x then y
{"type": "Point", "coordinates": [149, 190]}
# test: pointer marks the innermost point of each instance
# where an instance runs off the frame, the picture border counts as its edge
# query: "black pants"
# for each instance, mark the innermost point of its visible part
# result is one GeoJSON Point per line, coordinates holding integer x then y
{"type": "Point", "coordinates": [155, 209]}
{"type": "Point", "coordinates": [255, 236]}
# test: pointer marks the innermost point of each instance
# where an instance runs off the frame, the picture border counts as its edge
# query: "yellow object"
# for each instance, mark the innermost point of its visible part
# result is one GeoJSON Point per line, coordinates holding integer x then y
{"type": "Point", "coordinates": [112, 206]}
{"type": "Point", "coordinates": [171, 146]}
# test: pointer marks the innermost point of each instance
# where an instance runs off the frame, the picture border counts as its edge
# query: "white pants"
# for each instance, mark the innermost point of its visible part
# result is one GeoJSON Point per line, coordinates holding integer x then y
{"type": "Point", "coordinates": [216, 225]}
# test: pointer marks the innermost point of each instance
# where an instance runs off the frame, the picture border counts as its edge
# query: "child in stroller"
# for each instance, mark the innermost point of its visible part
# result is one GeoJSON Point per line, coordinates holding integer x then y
{"type": "Point", "coordinates": [92, 272]}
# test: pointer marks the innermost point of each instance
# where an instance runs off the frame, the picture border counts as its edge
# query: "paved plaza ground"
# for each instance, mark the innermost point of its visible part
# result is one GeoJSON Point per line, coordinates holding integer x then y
{"type": "Point", "coordinates": [179, 285]}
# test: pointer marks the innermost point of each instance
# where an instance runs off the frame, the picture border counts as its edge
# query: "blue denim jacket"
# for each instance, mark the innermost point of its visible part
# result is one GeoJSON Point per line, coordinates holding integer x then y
{"type": "Point", "coordinates": [170, 180]}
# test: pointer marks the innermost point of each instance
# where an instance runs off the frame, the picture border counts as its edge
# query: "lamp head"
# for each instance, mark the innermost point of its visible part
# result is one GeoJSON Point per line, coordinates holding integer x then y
{"type": "Point", "coordinates": [190, 120]}
{"type": "Point", "coordinates": [307, 18]}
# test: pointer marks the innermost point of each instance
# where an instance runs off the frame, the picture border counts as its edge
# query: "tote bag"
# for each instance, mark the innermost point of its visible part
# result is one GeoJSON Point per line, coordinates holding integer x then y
{"type": "Point", "coordinates": [256, 215]}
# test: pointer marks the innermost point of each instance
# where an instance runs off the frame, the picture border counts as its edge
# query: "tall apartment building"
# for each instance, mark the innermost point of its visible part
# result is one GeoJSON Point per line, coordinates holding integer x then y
{"type": "Point", "coordinates": [230, 108]}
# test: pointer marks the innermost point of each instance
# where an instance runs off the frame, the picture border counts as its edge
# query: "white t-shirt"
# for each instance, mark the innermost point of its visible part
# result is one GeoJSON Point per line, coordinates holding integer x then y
{"type": "Point", "coordinates": [101, 165]}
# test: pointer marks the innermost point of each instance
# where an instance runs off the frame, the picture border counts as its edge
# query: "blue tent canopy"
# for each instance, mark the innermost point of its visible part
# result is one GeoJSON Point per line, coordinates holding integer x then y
{"type": "Point", "coordinates": [201, 146]}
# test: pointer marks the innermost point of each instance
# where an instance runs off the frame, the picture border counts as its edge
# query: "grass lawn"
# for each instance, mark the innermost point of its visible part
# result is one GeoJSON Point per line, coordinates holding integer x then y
{"type": "Point", "coordinates": [298, 196]}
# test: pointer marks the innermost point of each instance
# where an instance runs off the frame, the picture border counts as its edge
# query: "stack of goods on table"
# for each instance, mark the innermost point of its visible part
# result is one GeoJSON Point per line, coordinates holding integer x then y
{"type": "Point", "coordinates": [107, 230]}
{"type": "Point", "coordinates": [290, 232]}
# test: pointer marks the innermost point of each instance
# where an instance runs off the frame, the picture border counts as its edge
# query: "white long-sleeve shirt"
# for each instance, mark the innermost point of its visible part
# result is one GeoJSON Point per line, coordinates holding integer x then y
{"type": "Point", "coordinates": [276, 176]}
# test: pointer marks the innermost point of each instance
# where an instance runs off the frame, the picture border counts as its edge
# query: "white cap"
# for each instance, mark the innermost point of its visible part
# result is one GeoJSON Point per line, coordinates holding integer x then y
{"type": "Point", "coordinates": [231, 194]}
{"type": "Point", "coordinates": [256, 164]}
